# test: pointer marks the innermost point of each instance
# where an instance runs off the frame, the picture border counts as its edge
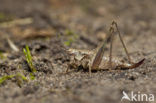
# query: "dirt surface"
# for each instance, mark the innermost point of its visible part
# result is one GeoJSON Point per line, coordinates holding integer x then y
{"type": "Point", "coordinates": [50, 27]}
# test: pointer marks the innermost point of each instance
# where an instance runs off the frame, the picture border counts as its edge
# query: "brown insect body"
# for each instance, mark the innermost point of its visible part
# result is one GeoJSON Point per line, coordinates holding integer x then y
{"type": "Point", "coordinates": [85, 58]}
{"type": "Point", "coordinates": [95, 60]}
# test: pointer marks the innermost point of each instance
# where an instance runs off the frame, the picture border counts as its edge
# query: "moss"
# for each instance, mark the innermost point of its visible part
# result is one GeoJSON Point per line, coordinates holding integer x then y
{"type": "Point", "coordinates": [19, 78]}
{"type": "Point", "coordinates": [71, 37]}
{"type": "Point", "coordinates": [4, 78]}
{"type": "Point", "coordinates": [2, 56]}
{"type": "Point", "coordinates": [4, 17]}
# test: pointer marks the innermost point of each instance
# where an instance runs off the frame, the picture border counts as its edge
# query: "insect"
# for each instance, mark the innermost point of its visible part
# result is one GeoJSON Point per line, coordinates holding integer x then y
{"type": "Point", "coordinates": [95, 59]}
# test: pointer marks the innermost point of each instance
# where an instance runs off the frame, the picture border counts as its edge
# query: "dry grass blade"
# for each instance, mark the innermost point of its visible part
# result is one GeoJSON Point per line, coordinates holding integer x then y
{"type": "Point", "coordinates": [24, 21]}
{"type": "Point", "coordinates": [12, 45]}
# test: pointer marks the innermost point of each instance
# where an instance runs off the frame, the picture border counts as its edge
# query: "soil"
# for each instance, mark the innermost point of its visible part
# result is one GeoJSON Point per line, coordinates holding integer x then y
{"type": "Point", "coordinates": [82, 24]}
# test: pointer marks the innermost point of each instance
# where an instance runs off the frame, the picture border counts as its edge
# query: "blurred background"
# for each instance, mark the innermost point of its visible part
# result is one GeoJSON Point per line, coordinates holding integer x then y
{"type": "Point", "coordinates": [86, 17]}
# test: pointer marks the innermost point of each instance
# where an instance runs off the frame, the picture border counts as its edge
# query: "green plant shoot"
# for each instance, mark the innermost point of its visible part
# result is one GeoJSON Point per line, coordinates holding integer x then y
{"type": "Point", "coordinates": [29, 58]}
{"type": "Point", "coordinates": [4, 78]}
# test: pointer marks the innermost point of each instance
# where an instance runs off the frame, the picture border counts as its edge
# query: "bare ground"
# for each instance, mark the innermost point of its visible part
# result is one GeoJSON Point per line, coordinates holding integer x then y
{"type": "Point", "coordinates": [49, 35]}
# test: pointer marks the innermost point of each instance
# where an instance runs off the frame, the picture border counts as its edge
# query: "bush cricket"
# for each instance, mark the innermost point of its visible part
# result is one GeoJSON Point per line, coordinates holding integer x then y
{"type": "Point", "coordinates": [95, 60]}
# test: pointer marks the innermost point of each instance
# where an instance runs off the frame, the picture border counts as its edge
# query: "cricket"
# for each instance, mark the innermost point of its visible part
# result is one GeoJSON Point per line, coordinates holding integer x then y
{"type": "Point", "coordinates": [94, 60]}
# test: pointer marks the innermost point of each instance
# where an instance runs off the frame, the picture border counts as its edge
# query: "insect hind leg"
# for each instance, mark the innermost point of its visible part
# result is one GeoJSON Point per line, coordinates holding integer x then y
{"type": "Point", "coordinates": [123, 44]}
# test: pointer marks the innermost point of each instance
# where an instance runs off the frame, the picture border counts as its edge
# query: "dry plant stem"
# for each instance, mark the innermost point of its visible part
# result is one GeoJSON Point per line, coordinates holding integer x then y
{"type": "Point", "coordinates": [24, 21]}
